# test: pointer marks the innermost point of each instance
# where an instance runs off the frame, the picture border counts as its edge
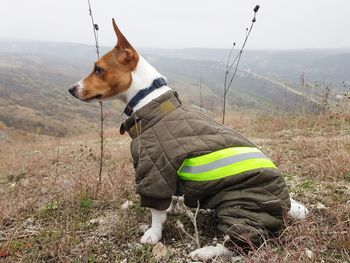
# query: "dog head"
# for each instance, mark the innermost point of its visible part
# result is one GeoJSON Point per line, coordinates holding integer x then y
{"type": "Point", "coordinates": [111, 74]}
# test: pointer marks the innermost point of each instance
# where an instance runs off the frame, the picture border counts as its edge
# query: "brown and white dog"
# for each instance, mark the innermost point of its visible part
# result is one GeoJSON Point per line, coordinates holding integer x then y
{"type": "Point", "coordinates": [121, 74]}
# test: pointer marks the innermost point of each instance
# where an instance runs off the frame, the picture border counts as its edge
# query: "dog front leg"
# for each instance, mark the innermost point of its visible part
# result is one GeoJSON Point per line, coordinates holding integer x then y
{"type": "Point", "coordinates": [154, 234]}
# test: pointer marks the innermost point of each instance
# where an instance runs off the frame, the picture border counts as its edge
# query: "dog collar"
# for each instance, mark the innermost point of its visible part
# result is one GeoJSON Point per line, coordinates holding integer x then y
{"type": "Point", "coordinates": [156, 84]}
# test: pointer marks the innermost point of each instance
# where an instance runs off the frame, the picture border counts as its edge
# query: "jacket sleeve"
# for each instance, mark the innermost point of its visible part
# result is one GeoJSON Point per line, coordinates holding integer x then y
{"type": "Point", "coordinates": [156, 178]}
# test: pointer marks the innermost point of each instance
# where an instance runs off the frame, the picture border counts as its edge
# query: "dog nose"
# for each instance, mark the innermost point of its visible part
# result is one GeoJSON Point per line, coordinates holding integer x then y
{"type": "Point", "coordinates": [73, 89]}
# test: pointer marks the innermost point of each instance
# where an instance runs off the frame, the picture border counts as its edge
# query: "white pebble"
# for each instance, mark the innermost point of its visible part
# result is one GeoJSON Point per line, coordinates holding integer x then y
{"type": "Point", "coordinates": [309, 253]}
{"type": "Point", "coordinates": [320, 206]}
{"type": "Point", "coordinates": [126, 204]}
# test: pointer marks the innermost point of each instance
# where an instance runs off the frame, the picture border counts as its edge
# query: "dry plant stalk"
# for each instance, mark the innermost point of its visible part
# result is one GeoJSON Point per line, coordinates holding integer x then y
{"type": "Point", "coordinates": [101, 150]}
{"type": "Point", "coordinates": [95, 30]}
{"type": "Point", "coordinates": [235, 63]}
{"type": "Point", "coordinates": [193, 218]}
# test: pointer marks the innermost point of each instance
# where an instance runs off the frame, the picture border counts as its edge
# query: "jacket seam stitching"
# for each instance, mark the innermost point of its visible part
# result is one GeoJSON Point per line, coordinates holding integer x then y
{"type": "Point", "coordinates": [174, 138]}
{"type": "Point", "coordinates": [158, 141]}
{"type": "Point", "coordinates": [197, 135]}
{"type": "Point", "coordinates": [156, 170]}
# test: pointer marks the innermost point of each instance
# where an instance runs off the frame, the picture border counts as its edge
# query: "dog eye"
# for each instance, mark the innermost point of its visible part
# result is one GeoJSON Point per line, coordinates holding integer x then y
{"type": "Point", "coordinates": [97, 70]}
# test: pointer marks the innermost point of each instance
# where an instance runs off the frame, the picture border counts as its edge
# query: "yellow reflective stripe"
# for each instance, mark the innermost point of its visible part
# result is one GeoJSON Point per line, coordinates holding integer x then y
{"type": "Point", "coordinates": [222, 162]}
{"type": "Point", "coordinates": [228, 170]}
{"type": "Point", "coordinates": [220, 154]}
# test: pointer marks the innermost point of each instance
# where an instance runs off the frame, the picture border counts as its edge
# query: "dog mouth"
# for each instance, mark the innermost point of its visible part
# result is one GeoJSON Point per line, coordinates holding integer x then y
{"type": "Point", "coordinates": [93, 98]}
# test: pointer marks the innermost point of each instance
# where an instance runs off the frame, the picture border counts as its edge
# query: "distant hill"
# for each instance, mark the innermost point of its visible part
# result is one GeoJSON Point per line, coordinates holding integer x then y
{"type": "Point", "coordinates": [34, 97]}
{"type": "Point", "coordinates": [35, 77]}
{"type": "Point", "coordinates": [323, 65]}
{"type": "Point", "coordinates": [327, 65]}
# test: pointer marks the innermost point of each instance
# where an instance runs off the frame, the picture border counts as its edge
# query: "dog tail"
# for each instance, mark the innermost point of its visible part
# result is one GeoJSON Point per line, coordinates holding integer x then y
{"type": "Point", "coordinates": [297, 210]}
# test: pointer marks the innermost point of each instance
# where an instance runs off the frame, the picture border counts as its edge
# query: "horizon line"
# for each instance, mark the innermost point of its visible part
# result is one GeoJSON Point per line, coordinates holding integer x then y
{"type": "Point", "coordinates": [174, 48]}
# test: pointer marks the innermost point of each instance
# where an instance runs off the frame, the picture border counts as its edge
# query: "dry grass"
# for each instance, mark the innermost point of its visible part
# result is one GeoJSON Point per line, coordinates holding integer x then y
{"type": "Point", "coordinates": [49, 211]}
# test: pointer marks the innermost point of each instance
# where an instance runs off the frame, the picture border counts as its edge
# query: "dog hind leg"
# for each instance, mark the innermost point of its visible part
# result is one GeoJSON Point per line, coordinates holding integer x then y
{"type": "Point", "coordinates": [297, 210]}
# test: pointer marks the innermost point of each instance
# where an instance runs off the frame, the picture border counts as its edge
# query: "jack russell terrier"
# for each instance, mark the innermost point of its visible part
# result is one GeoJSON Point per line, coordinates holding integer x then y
{"type": "Point", "coordinates": [179, 152]}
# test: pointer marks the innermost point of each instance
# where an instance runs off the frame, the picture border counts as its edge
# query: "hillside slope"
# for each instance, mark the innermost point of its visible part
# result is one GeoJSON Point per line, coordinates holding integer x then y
{"type": "Point", "coordinates": [34, 96]}
{"type": "Point", "coordinates": [50, 212]}
{"type": "Point", "coordinates": [35, 77]}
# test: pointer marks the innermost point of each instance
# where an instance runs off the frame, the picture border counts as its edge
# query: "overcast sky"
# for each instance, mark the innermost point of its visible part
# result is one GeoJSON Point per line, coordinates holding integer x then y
{"type": "Point", "coordinates": [281, 24]}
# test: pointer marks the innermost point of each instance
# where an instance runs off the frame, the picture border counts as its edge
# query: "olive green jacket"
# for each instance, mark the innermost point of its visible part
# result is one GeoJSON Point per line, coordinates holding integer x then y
{"type": "Point", "coordinates": [164, 133]}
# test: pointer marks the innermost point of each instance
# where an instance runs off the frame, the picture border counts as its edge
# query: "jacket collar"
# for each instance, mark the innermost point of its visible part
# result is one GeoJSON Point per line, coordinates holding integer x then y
{"type": "Point", "coordinates": [150, 114]}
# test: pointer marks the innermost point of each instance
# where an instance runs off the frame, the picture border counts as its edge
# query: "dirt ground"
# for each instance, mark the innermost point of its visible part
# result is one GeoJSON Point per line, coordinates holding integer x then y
{"type": "Point", "coordinates": [50, 210]}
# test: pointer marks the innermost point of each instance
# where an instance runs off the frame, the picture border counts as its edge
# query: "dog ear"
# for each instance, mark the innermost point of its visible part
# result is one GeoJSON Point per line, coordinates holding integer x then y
{"type": "Point", "coordinates": [126, 56]}
{"type": "Point", "coordinates": [122, 43]}
{"type": "Point", "coordinates": [126, 53]}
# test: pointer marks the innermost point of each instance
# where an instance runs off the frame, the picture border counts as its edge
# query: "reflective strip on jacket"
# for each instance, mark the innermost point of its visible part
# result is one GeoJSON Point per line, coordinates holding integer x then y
{"type": "Point", "coordinates": [223, 163]}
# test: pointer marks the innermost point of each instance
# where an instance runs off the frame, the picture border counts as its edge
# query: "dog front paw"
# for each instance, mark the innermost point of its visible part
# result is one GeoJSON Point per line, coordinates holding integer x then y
{"type": "Point", "coordinates": [151, 236]}
{"type": "Point", "coordinates": [209, 252]}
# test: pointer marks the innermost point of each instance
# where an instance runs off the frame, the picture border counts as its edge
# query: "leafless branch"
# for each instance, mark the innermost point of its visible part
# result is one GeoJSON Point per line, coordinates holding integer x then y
{"type": "Point", "coordinates": [193, 218]}
{"type": "Point", "coordinates": [235, 63]}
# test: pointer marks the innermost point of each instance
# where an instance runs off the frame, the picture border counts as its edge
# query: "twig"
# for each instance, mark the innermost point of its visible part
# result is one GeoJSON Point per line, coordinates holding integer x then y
{"type": "Point", "coordinates": [101, 150]}
{"type": "Point", "coordinates": [195, 225]}
{"type": "Point", "coordinates": [57, 156]}
{"type": "Point", "coordinates": [200, 92]}
{"type": "Point", "coordinates": [193, 218]}
{"type": "Point", "coordinates": [56, 164]}
{"type": "Point", "coordinates": [236, 63]}
{"type": "Point", "coordinates": [6, 246]}
{"type": "Point", "coordinates": [95, 30]}
{"type": "Point", "coordinates": [19, 237]}
{"type": "Point", "coordinates": [227, 71]}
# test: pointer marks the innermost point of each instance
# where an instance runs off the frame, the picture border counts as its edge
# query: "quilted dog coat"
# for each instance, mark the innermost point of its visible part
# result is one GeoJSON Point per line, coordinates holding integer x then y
{"type": "Point", "coordinates": [165, 134]}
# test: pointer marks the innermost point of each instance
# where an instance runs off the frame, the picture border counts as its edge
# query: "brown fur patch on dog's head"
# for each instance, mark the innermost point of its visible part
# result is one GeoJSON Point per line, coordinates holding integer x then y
{"type": "Point", "coordinates": [111, 74]}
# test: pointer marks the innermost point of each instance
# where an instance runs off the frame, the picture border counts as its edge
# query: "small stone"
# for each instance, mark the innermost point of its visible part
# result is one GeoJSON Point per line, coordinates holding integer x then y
{"type": "Point", "coordinates": [236, 259]}
{"type": "Point", "coordinates": [226, 238]}
{"type": "Point", "coordinates": [179, 224]}
{"type": "Point", "coordinates": [309, 253]}
{"type": "Point", "coordinates": [134, 245]}
{"type": "Point", "coordinates": [126, 204]}
{"type": "Point", "coordinates": [95, 221]}
{"type": "Point", "coordinates": [28, 222]}
{"type": "Point", "coordinates": [320, 206]}
{"type": "Point", "coordinates": [159, 251]}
